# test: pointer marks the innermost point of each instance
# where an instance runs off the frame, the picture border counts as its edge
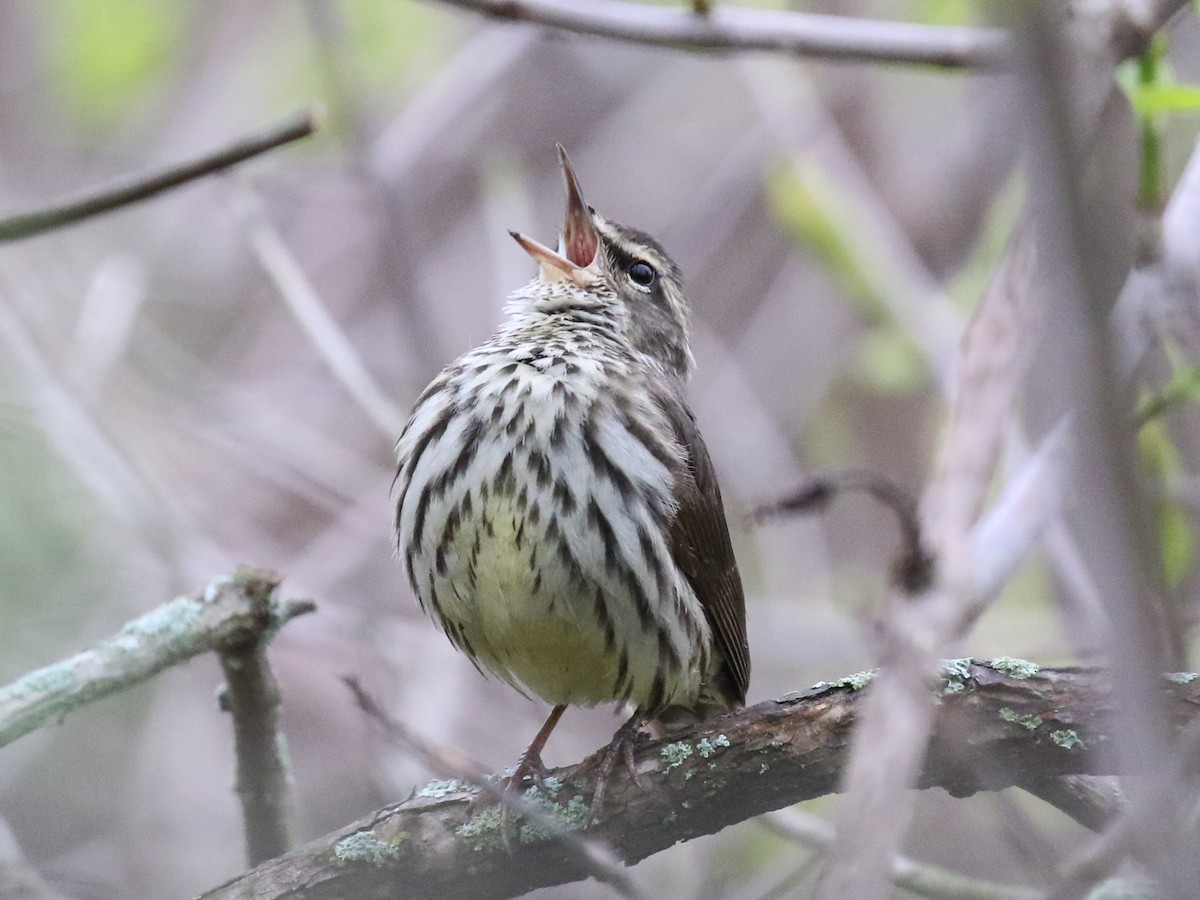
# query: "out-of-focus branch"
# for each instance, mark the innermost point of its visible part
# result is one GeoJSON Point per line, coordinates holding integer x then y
{"type": "Point", "coordinates": [225, 614]}
{"type": "Point", "coordinates": [1092, 802]}
{"type": "Point", "coordinates": [19, 880]}
{"type": "Point", "coordinates": [322, 329]}
{"type": "Point", "coordinates": [912, 566]}
{"type": "Point", "coordinates": [251, 696]}
{"type": "Point", "coordinates": [1148, 634]}
{"type": "Point", "coordinates": [889, 743]}
{"type": "Point", "coordinates": [919, 878]}
{"type": "Point", "coordinates": [1028, 506]}
{"type": "Point", "coordinates": [728, 28]}
{"type": "Point", "coordinates": [886, 756]}
{"type": "Point", "coordinates": [136, 188]}
{"type": "Point", "coordinates": [994, 726]}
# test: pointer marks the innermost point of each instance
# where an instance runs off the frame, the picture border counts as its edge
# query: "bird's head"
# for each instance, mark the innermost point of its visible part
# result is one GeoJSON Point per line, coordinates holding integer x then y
{"type": "Point", "coordinates": [603, 271]}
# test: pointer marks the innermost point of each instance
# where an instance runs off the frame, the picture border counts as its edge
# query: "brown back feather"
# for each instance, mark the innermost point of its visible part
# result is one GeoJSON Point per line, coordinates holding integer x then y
{"type": "Point", "coordinates": [701, 547]}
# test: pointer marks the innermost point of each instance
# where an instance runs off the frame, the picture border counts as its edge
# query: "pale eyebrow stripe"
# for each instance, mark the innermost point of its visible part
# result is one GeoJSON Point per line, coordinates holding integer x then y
{"type": "Point", "coordinates": [633, 248]}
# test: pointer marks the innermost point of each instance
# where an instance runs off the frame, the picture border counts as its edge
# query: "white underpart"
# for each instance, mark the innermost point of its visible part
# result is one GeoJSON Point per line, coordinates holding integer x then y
{"type": "Point", "coordinates": [541, 633]}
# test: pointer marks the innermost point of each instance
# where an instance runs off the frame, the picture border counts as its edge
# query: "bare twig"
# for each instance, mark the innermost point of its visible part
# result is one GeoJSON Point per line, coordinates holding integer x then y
{"type": "Point", "coordinates": [223, 614]}
{"type": "Point", "coordinates": [1091, 801]}
{"type": "Point", "coordinates": [913, 566]}
{"type": "Point", "coordinates": [136, 188]}
{"type": "Point", "coordinates": [728, 28]}
{"type": "Point", "coordinates": [251, 696]}
{"type": "Point", "coordinates": [919, 878]}
{"type": "Point", "coordinates": [993, 726]}
{"type": "Point", "coordinates": [1027, 508]}
{"type": "Point", "coordinates": [893, 735]}
{"type": "Point", "coordinates": [19, 880]}
{"type": "Point", "coordinates": [1096, 861]}
{"type": "Point", "coordinates": [74, 431]}
{"type": "Point", "coordinates": [323, 330]}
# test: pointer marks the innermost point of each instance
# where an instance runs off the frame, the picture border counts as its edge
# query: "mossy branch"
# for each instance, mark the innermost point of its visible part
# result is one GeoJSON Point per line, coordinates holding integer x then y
{"type": "Point", "coordinates": [225, 616]}
{"type": "Point", "coordinates": [251, 697]}
{"type": "Point", "coordinates": [997, 725]}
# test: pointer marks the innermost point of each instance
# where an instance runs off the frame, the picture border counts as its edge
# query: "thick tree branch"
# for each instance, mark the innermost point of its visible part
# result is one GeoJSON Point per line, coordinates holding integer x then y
{"type": "Point", "coordinates": [995, 726]}
{"type": "Point", "coordinates": [729, 28]}
{"type": "Point", "coordinates": [136, 188]}
{"type": "Point", "coordinates": [228, 613]}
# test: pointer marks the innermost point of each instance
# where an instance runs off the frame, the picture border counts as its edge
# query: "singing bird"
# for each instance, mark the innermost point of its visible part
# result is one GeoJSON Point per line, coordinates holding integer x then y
{"type": "Point", "coordinates": [556, 509]}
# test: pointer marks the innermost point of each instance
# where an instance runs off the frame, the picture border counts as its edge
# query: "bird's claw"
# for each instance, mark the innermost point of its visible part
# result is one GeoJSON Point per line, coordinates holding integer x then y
{"type": "Point", "coordinates": [621, 747]}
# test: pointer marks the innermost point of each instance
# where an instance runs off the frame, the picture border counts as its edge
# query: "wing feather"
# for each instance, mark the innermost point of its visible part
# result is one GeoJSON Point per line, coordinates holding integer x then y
{"type": "Point", "coordinates": [702, 549]}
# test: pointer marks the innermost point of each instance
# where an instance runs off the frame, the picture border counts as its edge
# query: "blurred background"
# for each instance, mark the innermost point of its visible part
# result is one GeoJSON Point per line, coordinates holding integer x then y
{"type": "Point", "coordinates": [218, 376]}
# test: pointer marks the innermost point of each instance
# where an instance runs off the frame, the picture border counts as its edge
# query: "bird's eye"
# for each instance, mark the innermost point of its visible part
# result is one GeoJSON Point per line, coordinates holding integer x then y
{"type": "Point", "coordinates": [642, 273]}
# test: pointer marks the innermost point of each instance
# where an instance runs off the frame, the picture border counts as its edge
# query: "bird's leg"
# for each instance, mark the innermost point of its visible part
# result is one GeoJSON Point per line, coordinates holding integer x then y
{"type": "Point", "coordinates": [620, 747]}
{"type": "Point", "coordinates": [528, 766]}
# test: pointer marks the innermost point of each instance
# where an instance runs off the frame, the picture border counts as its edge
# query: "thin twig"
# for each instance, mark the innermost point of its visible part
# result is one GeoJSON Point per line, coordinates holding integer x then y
{"type": "Point", "coordinates": [914, 565]}
{"type": "Point", "coordinates": [135, 188]}
{"type": "Point", "coordinates": [251, 696]}
{"type": "Point", "coordinates": [924, 879]}
{"type": "Point", "coordinates": [224, 613]}
{"type": "Point", "coordinates": [1092, 801]}
{"type": "Point", "coordinates": [728, 28]}
{"type": "Point", "coordinates": [310, 311]}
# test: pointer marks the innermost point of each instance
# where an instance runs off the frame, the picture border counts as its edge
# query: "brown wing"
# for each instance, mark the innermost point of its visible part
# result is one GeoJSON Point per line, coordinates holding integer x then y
{"type": "Point", "coordinates": [701, 547]}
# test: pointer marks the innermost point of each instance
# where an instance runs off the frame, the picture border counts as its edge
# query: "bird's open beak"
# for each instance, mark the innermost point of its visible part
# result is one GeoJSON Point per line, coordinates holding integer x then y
{"type": "Point", "coordinates": [577, 249]}
{"type": "Point", "coordinates": [553, 266]}
{"type": "Point", "coordinates": [579, 239]}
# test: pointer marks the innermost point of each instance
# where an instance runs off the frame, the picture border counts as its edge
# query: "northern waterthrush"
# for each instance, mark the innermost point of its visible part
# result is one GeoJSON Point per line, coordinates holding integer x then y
{"type": "Point", "coordinates": [557, 511]}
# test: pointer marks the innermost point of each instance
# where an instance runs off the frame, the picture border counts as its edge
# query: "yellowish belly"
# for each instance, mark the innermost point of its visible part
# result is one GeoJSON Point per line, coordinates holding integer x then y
{"type": "Point", "coordinates": [523, 615]}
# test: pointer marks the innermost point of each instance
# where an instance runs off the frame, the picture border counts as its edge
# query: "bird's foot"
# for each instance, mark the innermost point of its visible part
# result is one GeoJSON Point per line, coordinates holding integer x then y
{"type": "Point", "coordinates": [529, 768]}
{"type": "Point", "coordinates": [620, 748]}
{"type": "Point", "coordinates": [530, 772]}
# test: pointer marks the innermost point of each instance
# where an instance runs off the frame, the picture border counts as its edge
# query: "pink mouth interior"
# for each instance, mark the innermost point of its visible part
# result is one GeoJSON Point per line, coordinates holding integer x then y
{"type": "Point", "coordinates": [580, 244]}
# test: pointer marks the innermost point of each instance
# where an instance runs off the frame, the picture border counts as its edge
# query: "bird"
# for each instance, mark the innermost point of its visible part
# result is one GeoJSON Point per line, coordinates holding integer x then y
{"type": "Point", "coordinates": [556, 509]}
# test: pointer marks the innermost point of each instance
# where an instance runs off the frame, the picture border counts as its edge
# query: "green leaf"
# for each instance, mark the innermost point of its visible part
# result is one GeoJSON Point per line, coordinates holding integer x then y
{"type": "Point", "coordinates": [945, 12]}
{"type": "Point", "coordinates": [1182, 388]}
{"type": "Point", "coordinates": [104, 57]}
{"type": "Point", "coordinates": [1155, 99]}
{"type": "Point", "coordinates": [393, 41]}
{"type": "Point", "coordinates": [889, 362]}
{"type": "Point", "coordinates": [1178, 544]}
{"type": "Point", "coordinates": [1161, 461]}
{"type": "Point", "coordinates": [803, 201]}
